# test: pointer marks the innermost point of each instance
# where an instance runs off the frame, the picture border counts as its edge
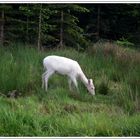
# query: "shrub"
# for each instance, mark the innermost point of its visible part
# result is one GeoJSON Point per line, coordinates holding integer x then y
{"type": "Point", "coordinates": [103, 86]}
{"type": "Point", "coordinates": [124, 42]}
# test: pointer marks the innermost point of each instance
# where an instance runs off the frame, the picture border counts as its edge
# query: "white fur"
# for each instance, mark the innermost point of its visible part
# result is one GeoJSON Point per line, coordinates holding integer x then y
{"type": "Point", "coordinates": [65, 66]}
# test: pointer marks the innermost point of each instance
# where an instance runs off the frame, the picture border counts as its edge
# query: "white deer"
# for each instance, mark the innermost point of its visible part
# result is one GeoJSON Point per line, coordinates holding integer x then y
{"type": "Point", "coordinates": [65, 66]}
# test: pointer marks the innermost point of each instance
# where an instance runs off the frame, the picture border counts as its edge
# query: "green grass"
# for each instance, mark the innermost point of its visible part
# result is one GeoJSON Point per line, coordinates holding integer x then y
{"type": "Point", "coordinates": [113, 111]}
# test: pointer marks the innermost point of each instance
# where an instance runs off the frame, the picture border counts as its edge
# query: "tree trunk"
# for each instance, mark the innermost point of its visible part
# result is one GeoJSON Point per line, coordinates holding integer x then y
{"type": "Point", "coordinates": [98, 22]}
{"type": "Point", "coordinates": [27, 28]}
{"type": "Point", "coordinates": [61, 29]}
{"type": "Point", "coordinates": [39, 28]}
{"type": "Point", "coordinates": [2, 28]}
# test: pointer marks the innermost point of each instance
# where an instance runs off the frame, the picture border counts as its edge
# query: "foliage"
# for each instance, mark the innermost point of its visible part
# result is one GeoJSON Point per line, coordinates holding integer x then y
{"type": "Point", "coordinates": [72, 33]}
{"type": "Point", "coordinates": [32, 14]}
{"type": "Point", "coordinates": [22, 24]}
{"type": "Point", "coordinates": [116, 22]}
{"type": "Point", "coordinates": [124, 42]}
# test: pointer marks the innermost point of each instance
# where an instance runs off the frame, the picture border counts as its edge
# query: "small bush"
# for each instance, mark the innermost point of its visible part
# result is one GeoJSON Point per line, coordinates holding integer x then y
{"type": "Point", "coordinates": [103, 86]}
{"type": "Point", "coordinates": [124, 42]}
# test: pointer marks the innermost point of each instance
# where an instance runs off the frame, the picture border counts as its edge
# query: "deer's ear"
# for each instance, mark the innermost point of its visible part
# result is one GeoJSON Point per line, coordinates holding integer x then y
{"type": "Point", "coordinates": [91, 80]}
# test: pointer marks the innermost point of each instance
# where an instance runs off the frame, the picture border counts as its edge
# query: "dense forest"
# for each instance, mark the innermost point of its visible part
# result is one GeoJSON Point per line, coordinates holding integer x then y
{"type": "Point", "coordinates": [71, 25]}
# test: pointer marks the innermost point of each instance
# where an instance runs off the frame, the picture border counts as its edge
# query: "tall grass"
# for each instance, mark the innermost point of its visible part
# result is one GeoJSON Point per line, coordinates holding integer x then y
{"type": "Point", "coordinates": [121, 66]}
{"type": "Point", "coordinates": [19, 68]}
{"type": "Point", "coordinates": [113, 111]}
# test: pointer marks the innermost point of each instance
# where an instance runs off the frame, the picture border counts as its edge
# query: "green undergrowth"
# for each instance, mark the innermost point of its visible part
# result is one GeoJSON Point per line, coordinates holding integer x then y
{"type": "Point", "coordinates": [113, 111]}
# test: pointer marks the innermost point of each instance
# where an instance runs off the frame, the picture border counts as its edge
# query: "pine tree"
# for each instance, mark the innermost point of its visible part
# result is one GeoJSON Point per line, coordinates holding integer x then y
{"type": "Point", "coordinates": [39, 15]}
{"type": "Point", "coordinates": [66, 31]}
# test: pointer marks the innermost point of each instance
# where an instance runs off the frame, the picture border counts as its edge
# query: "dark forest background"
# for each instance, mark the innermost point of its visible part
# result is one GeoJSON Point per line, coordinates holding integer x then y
{"type": "Point", "coordinates": [71, 25]}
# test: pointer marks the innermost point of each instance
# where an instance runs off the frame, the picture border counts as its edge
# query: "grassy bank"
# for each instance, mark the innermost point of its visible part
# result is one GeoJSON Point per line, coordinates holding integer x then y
{"type": "Point", "coordinates": [114, 111]}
